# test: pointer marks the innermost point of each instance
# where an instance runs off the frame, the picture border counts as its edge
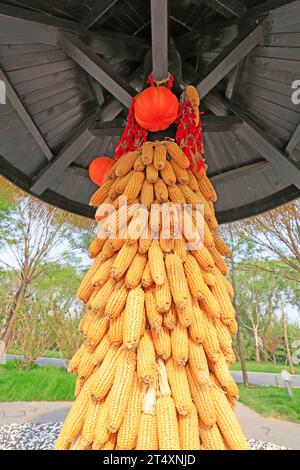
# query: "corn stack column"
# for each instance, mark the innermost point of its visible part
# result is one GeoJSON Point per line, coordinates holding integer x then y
{"type": "Point", "coordinates": [152, 372]}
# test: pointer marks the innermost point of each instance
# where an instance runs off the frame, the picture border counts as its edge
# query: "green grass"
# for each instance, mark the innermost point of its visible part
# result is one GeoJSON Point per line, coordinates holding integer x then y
{"type": "Point", "coordinates": [39, 384]}
{"type": "Point", "coordinates": [253, 366]}
{"type": "Point", "coordinates": [272, 402]}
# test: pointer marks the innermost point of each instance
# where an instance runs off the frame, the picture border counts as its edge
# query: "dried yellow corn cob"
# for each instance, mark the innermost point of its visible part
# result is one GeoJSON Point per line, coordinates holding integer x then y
{"type": "Point", "coordinates": [188, 194]}
{"type": "Point", "coordinates": [125, 164]}
{"type": "Point", "coordinates": [103, 378]}
{"type": "Point", "coordinates": [179, 387]}
{"type": "Point", "coordinates": [151, 173]}
{"type": "Point", "coordinates": [147, 280]}
{"type": "Point", "coordinates": [167, 174]}
{"type": "Point", "coordinates": [204, 258]}
{"type": "Point", "coordinates": [97, 330]}
{"type": "Point", "coordinates": [147, 193]}
{"type": "Point", "coordinates": [133, 318]}
{"type": "Point", "coordinates": [86, 365]}
{"type": "Point", "coordinates": [98, 303]}
{"type": "Point", "coordinates": [177, 155]}
{"type": "Point", "coordinates": [161, 191]}
{"type": "Point", "coordinates": [166, 244]}
{"type": "Point", "coordinates": [192, 181]}
{"type": "Point", "coordinates": [101, 433]}
{"type": "Point", "coordinates": [112, 194]}
{"type": "Point", "coordinates": [138, 225]}
{"type": "Point", "coordinates": [177, 280]}
{"type": "Point", "coordinates": [233, 327]}
{"type": "Point", "coordinates": [210, 304]}
{"type": "Point", "coordinates": [100, 195]}
{"type": "Point", "coordinates": [75, 361]}
{"type": "Point", "coordinates": [163, 297]}
{"type": "Point", "coordinates": [182, 176]}
{"type": "Point", "coordinates": [221, 246]}
{"type": "Point", "coordinates": [207, 188]}
{"type": "Point", "coordinates": [167, 425]}
{"type": "Point", "coordinates": [210, 340]}
{"type": "Point", "coordinates": [175, 195]}
{"type": "Point", "coordinates": [185, 315]}
{"type": "Point", "coordinates": [123, 260]}
{"type": "Point", "coordinates": [103, 272]}
{"type": "Point", "coordinates": [121, 389]}
{"type": "Point", "coordinates": [209, 278]}
{"type": "Point", "coordinates": [86, 321]}
{"type": "Point", "coordinates": [208, 213]}
{"type": "Point", "coordinates": [160, 156]}
{"type": "Point", "coordinates": [162, 342]}
{"type": "Point", "coordinates": [135, 272]}
{"type": "Point", "coordinates": [115, 332]}
{"type": "Point", "coordinates": [86, 287]}
{"type": "Point", "coordinates": [147, 434]}
{"type": "Point", "coordinates": [192, 95]}
{"type": "Point", "coordinates": [194, 277]}
{"type": "Point", "coordinates": [221, 295]}
{"type": "Point", "coordinates": [78, 386]}
{"type": "Point", "coordinates": [189, 430]}
{"type": "Point", "coordinates": [210, 437]}
{"type": "Point", "coordinates": [196, 329]}
{"type": "Point", "coordinates": [138, 164]}
{"type": "Point", "coordinates": [122, 183]}
{"type": "Point", "coordinates": [227, 421]}
{"type": "Point", "coordinates": [198, 363]}
{"type": "Point", "coordinates": [101, 350]}
{"type": "Point", "coordinates": [89, 425]}
{"type": "Point", "coordinates": [134, 186]}
{"type": "Point", "coordinates": [145, 242]}
{"type": "Point", "coordinates": [218, 260]}
{"type": "Point", "coordinates": [147, 153]}
{"type": "Point", "coordinates": [146, 367]}
{"type": "Point", "coordinates": [127, 434]}
{"type": "Point", "coordinates": [154, 318]}
{"type": "Point", "coordinates": [224, 337]}
{"type": "Point", "coordinates": [180, 249]}
{"type": "Point", "coordinates": [225, 281]}
{"type": "Point", "coordinates": [111, 443]}
{"type": "Point", "coordinates": [156, 263]}
{"type": "Point", "coordinates": [180, 344]}
{"type": "Point", "coordinates": [170, 318]}
{"type": "Point", "coordinates": [95, 247]}
{"type": "Point", "coordinates": [117, 300]}
{"type": "Point", "coordinates": [202, 397]}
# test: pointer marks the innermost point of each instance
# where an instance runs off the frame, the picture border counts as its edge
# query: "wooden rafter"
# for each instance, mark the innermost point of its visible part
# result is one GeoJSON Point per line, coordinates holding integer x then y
{"type": "Point", "coordinates": [96, 67]}
{"type": "Point", "coordinates": [160, 38]}
{"type": "Point", "coordinates": [80, 140]}
{"type": "Point", "coordinates": [294, 141]}
{"type": "Point", "coordinates": [209, 124]}
{"type": "Point", "coordinates": [25, 116]}
{"type": "Point", "coordinates": [227, 8]}
{"type": "Point", "coordinates": [99, 10]}
{"type": "Point", "coordinates": [234, 80]}
{"type": "Point", "coordinates": [251, 133]}
{"type": "Point", "coordinates": [230, 57]}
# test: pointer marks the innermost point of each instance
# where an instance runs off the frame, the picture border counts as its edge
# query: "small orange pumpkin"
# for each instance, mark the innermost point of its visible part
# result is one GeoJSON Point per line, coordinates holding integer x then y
{"type": "Point", "coordinates": [156, 108]}
{"type": "Point", "coordinates": [99, 168]}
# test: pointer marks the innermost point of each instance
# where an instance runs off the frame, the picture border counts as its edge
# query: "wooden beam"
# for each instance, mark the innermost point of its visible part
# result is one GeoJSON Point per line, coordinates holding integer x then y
{"type": "Point", "coordinates": [80, 140]}
{"type": "Point", "coordinates": [267, 6]}
{"type": "Point", "coordinates": [234, 80]}
{"type": "Point", "coordinates": [227, 8]}
{"type": "Point", "coordinates": [240, 172]}
{"type": "Point", "coordinates": [209, 124]}
{"type": "Point", "coordinates": [97, 12]}
{"type": "Point", "coordinates": [96, 67]}
{"type": "Point", "coordinates": [231, 56]}
{"type": "Point", "coordinates": [160, 38]}
{"type": "Point", "coordinates": [251, 133]}
{"type": "Point", "coordinates": [294, 141]}
{"type": "Point", "coordinates": [25, 116]}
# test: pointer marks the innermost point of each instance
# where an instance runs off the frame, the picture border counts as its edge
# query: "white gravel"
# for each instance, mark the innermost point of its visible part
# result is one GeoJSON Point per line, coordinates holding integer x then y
{"type": "Point", "coordinates": [32, 436]}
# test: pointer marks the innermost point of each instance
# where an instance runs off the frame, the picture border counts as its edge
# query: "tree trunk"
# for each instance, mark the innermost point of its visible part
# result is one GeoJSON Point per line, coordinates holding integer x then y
{"type": "Point", "coordinates": [238, 336]}
{"type": "Point", "coordinates": [11, 319]}
{"type": "Point", "coordinates": [287, 344]}
{"type": "Point", "coordinates": [257, 356]}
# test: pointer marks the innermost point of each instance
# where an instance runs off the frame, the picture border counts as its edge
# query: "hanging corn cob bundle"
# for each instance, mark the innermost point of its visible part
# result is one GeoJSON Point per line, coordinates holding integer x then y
{"type": "Point", "coordinates": [153, 369]}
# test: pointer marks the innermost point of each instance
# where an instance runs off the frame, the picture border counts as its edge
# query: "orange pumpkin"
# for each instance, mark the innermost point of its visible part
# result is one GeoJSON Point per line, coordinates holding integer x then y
{"type": "Point", "coordinates": [156, 108]}
{"type": "Point", "coordinates": [99, 168]}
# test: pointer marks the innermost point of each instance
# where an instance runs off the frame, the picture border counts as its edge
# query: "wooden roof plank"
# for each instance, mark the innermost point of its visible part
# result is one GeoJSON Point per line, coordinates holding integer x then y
{"type": "Point", "coordinates": [80, 140]}
{"type": "Point", "coordinates": [227, 8]}
{"type": "Point", "coordinates": [97, 12]}
{"type": "Point", "coordinates": [97, 68]}
{"type": "Point", "coordinates": [25, 116]}
{"type": "Point", "coordinates": [160, 38]}
{"type": "Point", "coordinates": [230, 57]}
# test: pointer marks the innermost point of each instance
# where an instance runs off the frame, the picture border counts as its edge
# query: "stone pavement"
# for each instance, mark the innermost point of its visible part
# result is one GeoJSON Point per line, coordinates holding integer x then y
{"type": "Point", "coordinates": [255, 426]}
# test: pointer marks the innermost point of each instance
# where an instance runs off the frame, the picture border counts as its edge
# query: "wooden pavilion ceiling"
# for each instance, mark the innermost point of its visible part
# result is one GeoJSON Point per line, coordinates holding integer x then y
{"type": "Point", "coordinates": [71, 68]}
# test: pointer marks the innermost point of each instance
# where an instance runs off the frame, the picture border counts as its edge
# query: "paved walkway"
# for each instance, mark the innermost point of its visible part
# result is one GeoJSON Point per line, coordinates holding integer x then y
{"type": "Point", "coordinates": [255, 426]}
